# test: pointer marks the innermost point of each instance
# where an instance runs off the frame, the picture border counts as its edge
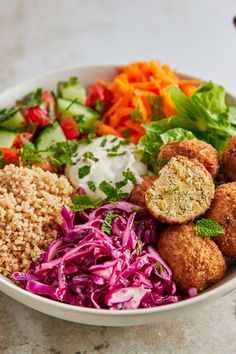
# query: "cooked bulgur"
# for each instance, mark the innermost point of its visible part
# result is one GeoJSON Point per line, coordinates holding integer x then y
{"type": "Point", "coordinates": [30, 205]}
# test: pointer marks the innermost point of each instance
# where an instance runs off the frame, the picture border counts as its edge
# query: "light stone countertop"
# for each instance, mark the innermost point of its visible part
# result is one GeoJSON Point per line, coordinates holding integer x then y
{"type": "Point", "coordinates": [195, 37]}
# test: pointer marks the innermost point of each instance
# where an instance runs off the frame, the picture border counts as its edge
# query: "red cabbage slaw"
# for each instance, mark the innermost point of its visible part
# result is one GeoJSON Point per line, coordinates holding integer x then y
{"type": "Point", "coordinates": [87, 267]}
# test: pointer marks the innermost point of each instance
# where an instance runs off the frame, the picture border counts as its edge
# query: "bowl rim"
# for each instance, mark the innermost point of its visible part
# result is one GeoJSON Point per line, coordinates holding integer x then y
{"type": "Point", "coordinates": [217, 291]}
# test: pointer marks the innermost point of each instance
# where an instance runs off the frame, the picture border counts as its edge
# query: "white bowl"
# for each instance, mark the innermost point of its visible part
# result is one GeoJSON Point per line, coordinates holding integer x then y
{"type": "Point", "coordinates": [87, 76]}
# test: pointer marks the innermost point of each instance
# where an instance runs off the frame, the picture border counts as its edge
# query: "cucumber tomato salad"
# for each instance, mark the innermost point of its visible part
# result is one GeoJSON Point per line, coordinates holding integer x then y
{"type": "Point", "coordinates": [106, 139]}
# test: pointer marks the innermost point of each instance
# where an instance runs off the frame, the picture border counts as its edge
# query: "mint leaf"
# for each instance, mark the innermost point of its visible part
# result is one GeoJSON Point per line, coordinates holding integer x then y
{"type": "Point", "coordinates": [29, 154]}
{"type": "Point", "coordinates": [107, 223]}
{"type": "Point", "coordinates": [83, 202]}
{"type": "Point", "coordinates": [84, 171]}
{"type": "Point", "coordinates": [208, 227]}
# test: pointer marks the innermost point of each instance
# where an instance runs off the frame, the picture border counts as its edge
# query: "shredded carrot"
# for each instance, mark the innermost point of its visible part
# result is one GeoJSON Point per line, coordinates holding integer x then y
{"type": "Point", "coordinates": [131, 89]}
{"type": "Point", "coordinates": [104, 129]}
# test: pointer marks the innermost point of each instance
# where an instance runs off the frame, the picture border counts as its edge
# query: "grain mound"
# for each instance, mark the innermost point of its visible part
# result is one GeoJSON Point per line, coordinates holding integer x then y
{"type": "Point", "coordinates": [30, 206]}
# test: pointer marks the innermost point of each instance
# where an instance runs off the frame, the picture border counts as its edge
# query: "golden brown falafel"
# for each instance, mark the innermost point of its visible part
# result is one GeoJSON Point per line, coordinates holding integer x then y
{"type": "Point", "coordinates": [183, 191]}
{"type": "Point", "coordinates": [229, 160]}
{"type": "Point", "coordinates": [196, 262]}
{"type": "Point", "coordinates": [137, 196]}
{"type": "Point", "coordinates": [193, 149]}
{"type": "Point", "coordinates": [223, 210]}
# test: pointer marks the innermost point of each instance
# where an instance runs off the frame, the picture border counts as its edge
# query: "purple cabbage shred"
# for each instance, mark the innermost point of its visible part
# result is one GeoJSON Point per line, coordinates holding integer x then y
{"type": "Point", "coordinates": [87, 267]}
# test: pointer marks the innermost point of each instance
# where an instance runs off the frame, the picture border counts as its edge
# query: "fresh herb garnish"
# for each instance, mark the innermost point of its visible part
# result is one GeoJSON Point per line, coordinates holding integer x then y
{"type": "Point", "coordinates": [139, 246]}
{"type": "Point", "coordinates": [107, 223]}
{"type": "Point", "coordinates": [115, 148]}
{"type": "Point", "coordinates": [90, 156]}
{"type": "Point", "coordinates": [127, 132]}
{"type": "Point", "coordinates": [52, 113]}
{"type": "Point", "coordinates": [33, 98]}
{"type": "Point", "coordinates": [99, 106]}
{"type": "Point", "coordinates": [113, 194]}
{"type": "Point", "coordinates": [8, 112]}
{"type": "Point", "coordinates": [88, 140]}
{"type": "Point", "coordinates": [129, 176]}
{"type": "Point", "coordinates": [83, 202]}
{"type": "Point", "coordinates": [3, 160]}
{"type": "Point", "coordinates": [156, 103]}
{"type": "Point", "coordinates": [114, 139]}
{"type": "Point", "coordinates": [159, 266]}
{"type": "Point", "coordinates": [103, 142]}
{"type": "Point", "coordinates": [115, 154]}
{"type": "Point", "coordinates": [91, 186]}
{"type": "Point", "coordinates": [136, 115]}
{"type": "Point", "coordinates": [84, 171]}
{"type": "Point", "coordinates": [172, 190]}
{"type": "Point", "coordinates": [29, 154]}
{"type": "Point", "coordinates": [208, 227]}
{"type": "Point", "coordinates": [61, 154]}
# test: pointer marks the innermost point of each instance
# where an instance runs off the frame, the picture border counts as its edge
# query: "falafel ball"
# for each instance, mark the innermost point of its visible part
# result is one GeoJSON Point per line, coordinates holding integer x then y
{"type": "Point", "coordinates": [223, 210]}
{"type": "Point", "coordinates": [196, 262]}
{"type": "Point", "coordinates": [137, 196]}
{"type": "Point", "coordinates": [194, 149]}
{"type": "Point", "coordinates": [229, 160]}
{"type": "Point", "coordinates": [183, 191]}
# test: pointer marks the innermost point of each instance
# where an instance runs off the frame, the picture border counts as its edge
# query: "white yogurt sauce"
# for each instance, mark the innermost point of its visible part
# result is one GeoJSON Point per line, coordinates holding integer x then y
{"type": "Point", "coordinates": [110, 157]}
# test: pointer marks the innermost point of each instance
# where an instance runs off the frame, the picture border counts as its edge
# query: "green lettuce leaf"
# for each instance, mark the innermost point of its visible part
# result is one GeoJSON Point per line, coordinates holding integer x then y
{"type": "Point", "coordinates": [204, 115]}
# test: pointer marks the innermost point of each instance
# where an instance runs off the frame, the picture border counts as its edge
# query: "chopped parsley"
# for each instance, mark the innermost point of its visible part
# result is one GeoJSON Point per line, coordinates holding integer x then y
{"type": "Point", "coordinates": [136, 115]}
{"type": "Point", "coordinates": [103, 142]}
{"type": "Point", "coordinates": [84, 171]}
{"type": "Point", "coordinates": [61, 154]}
{"type": "Point", "coordinates": [115, 154]}
{"type": "Point", "coordinates": [8, 112]}
{"type": "Point", "coordinates": [172, 190]}
{"type": "Point", "coordinates": [113, 194]}
{"type": "Point", "coordinates": [115, 148]}
{"type": "Point", "coordinates": [129, 176]}
{"type": "Point", "coordinates": [33, 98]}
{"type": "Point", "coordinates": [208, 227]}
{"type": "Point", "coordinates": [91, 186]}
{"type": "Point", "coordinates": [90, 137]}
{"type": "Point", "coordinates": [29, 154]}
{"type": "Point", "coordinates": [114, 139]}
{"type": "Point", "coordinates": [99, 106]}
{"type": "Point", "coordinates": [107, 223]}
{"type": "Point", "coordinates": [139, 246]}
{"type": "Point", "coordinates": [83, 202]}
{"type": "Point", "coordinates": [159, 266]}
{"type": "Point", "coordinates": [3, 160]}
{"type": "Point", "coordinates": [127, 132]}
{"type": "Point", "coordinates": [90, 156]}
{"type": "Point", "coordinates": [52, 113]}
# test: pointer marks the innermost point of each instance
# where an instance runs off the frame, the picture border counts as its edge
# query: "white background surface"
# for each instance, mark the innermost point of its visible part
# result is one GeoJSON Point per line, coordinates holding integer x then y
{"type": "Point", "coordinates": [195, 37]}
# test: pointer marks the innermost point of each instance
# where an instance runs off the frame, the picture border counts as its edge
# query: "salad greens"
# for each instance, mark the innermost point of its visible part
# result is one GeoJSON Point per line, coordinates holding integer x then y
{"type": "Point", "coordinates": [204, 115]}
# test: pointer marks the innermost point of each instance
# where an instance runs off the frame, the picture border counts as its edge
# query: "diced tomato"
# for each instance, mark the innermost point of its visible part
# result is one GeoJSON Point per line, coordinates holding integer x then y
{"type": "Point", "coordinates": [18, 143]}
{"type": "Point", "coordinates": [36, 115]}
{"type": "Point", "coordinates": [70, 128]}
{"type": "Point", "coordinates": [47, 166]}
{"type": "Point", "coordinates": [47, 98]}
{"type": "Point", "coordinates": [10, 154]}
{"type": "Point", "coordinates": [99, 92]}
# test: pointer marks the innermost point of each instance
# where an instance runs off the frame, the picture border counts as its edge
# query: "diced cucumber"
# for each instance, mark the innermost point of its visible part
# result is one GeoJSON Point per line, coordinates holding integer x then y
{"type": "Point", "coordinates": [7, 138]}
{"type": "Point", "coordinates": [86, 116]}
{"type": "Point", "coordinates": [14, 122]}
{"type": "Point", "coordinates": [50, 135]}
{"type": "Point", "coordinates": [72, 90]}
